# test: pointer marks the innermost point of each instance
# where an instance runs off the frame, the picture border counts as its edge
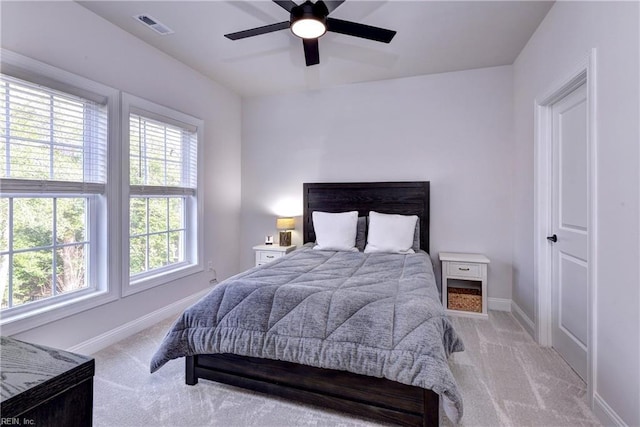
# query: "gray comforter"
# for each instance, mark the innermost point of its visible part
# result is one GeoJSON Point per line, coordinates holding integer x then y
{"type": "Point", "coordinates": [370, 314]}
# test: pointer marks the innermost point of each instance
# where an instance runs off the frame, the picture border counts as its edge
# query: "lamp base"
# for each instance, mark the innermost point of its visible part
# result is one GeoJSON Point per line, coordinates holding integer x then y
{"type": "Point", "coordinates": [285, 238]}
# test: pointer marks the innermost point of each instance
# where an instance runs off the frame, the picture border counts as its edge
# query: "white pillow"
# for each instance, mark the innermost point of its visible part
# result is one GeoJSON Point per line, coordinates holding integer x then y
{"type": "Point", "coordinates": [391, 233]}
{"type": "Point", "coordinates": [335, 231]}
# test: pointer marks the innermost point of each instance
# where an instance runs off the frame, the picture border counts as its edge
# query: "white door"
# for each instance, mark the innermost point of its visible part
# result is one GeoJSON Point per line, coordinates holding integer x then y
{"type": "Point", "coordinates": [569, 223]}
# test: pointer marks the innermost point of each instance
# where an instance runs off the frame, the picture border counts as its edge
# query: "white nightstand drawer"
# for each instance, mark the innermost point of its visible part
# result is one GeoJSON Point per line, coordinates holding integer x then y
{"type": "Point", "coordinates": [463, 269]}
{"type": "Point", "coordinates": [264, 256]}
{"type": "Point", "coordinates": [268, 253]}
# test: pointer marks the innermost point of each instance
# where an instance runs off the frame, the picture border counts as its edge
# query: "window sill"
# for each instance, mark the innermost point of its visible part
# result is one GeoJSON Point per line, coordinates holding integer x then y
{"type": "Point", "coordinates": [16, 323]}
{"type": "Point", "coordinates": [161, 278]}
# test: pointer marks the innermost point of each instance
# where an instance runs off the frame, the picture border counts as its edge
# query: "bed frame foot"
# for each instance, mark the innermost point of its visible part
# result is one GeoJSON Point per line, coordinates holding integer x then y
{"type": "Point", "coordinates": [190, 371]}
{"type": "Point", "coordinates": [431, 414]}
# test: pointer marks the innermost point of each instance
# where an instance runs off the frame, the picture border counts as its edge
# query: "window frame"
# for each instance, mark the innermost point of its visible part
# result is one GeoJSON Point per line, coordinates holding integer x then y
{"type": "Point", "coordinates": [194, 236]}
{"type": "Point", "coordinates": [102, 212]}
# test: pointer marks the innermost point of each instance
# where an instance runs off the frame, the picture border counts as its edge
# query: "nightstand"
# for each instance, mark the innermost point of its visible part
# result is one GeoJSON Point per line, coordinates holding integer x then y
{"type": "Point", "coordinates": [465, 276]}
{"type": "Point", "coordinates": [267, 253]}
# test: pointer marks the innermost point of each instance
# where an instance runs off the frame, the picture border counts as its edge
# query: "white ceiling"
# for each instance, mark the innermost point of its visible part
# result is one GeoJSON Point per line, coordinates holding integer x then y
{"type": "Point", "coordinates": [432, 37]}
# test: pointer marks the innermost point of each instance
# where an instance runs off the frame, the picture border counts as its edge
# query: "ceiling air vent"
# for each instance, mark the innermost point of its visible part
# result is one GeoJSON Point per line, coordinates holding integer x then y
{"type": "Point", "coordinates": [154, 24]}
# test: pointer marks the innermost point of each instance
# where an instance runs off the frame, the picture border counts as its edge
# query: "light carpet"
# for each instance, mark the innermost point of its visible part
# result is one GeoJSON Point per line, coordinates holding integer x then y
{"type": "Point", "coordinates": [505, 378]}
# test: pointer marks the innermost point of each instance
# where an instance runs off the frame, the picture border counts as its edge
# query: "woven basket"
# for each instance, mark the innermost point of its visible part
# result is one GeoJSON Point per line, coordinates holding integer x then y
{"type": "Point", "coordinates": [464, 299]}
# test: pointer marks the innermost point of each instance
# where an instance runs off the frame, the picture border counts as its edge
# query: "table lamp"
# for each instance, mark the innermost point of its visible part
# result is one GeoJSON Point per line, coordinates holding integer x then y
{"type": "Point", "coordinates": [284, 225]}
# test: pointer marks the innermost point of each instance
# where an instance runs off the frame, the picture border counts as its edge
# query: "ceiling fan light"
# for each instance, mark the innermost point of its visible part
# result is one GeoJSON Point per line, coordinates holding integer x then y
{"type": "Point", "coordinates": [308, 28]}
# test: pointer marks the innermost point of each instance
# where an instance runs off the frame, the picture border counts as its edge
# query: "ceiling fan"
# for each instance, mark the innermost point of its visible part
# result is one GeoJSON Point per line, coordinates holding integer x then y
{"type": "Point", "coordinates": [310, 21]}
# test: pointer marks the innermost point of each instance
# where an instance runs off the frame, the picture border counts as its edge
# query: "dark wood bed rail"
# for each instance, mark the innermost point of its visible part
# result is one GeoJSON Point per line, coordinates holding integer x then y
{"type": "Point", "coordinates": [367, 397]}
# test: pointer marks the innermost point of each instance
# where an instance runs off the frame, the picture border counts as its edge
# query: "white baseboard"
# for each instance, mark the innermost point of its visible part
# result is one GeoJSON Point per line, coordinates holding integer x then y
{"type": "Point", "coordinates": [605, 414]}
{"type": "Point", "coordinates": [499, 304]}
{"type": "Point", "coordinates": [108, 338]}
{"type": "Point", "coordinates": [524, 320]}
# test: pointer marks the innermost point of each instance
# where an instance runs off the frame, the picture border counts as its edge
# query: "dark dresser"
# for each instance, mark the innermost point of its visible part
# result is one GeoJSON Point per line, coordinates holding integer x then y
{"type": "Point", "coordinates": [43, 386]}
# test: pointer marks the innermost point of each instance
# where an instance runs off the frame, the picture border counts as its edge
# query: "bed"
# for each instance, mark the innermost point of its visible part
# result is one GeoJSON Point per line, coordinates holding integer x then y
{"type": "Point", "coordinates": [293, 361]}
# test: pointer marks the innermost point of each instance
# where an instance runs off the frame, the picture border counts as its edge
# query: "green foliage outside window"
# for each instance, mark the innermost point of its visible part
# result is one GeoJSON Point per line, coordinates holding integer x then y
{"type": "Point", "coordinates": [157, 232]}
{"type": "Point", "coordinates": [30, 268]}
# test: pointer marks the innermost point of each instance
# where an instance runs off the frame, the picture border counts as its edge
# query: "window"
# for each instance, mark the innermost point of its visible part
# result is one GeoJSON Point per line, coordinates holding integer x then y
{"type": "Point", "coordinates": [163, 193]}
{"type": "Point", "coordinates": [53, 149]}
{"type": "Point", "coordinates": [87, 203]}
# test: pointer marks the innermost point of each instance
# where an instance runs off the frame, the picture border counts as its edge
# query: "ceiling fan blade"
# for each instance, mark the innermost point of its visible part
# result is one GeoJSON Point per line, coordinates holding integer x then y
{"type": "Point", "coordinates": [311, 51]}
{"type": "Point", "coordinates": [360, 30]}
{"type": "Point", "coordinates": [285, 4]}
{"type": "Point", "coordinates": [257, 31]}
{"type": "Point", "coordinates": [331, 4]}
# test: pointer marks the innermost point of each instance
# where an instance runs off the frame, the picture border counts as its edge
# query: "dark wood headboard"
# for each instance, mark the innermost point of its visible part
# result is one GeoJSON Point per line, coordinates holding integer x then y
{"type": "Point", "coordinates": [404, 198]}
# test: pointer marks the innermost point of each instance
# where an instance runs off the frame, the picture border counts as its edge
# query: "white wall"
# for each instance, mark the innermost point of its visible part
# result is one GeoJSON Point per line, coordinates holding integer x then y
{"type": "Point", "coordinates": [452, 129]}
{"type": "Point", "coordinates": [68, 36]}
{"type": "Point", "coordinates": [561, 42]}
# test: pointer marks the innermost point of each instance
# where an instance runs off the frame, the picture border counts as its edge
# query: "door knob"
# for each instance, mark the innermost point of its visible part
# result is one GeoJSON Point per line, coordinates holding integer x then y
{"type": "Point", "coordinates": [553, 238]}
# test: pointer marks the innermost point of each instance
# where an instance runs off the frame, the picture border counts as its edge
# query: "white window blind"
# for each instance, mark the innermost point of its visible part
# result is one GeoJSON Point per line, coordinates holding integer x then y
{"type": "Point", "coordinates": [51, 140]}
{"type": "Point", "coordinates": [163, 157]}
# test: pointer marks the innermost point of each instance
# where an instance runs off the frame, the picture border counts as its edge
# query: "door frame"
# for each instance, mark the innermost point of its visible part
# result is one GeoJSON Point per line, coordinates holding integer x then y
{"type": "Point", "coordinates": [583, 73]}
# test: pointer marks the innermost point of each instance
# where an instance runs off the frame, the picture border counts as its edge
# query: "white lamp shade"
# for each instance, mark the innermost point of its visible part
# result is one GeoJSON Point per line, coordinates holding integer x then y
{"type": "Point", "coordinates": [285, 223]}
